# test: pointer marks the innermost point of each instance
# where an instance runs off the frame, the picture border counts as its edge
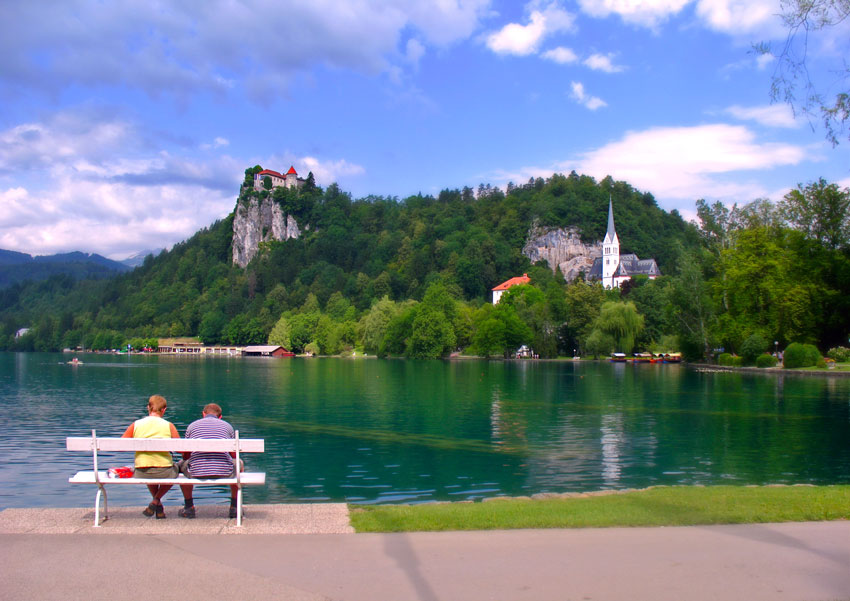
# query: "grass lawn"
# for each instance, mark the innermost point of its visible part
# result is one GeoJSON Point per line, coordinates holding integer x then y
{"type": "Point", "coordinates": [660, 506]}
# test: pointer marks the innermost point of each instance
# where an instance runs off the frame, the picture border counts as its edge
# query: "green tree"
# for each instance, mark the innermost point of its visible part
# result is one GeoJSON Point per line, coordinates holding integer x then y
{"type": "Point", "coordinates": [600, 343]}
{"type": "Point", "coordinates": [212, 327]}
{"type": "Point", "coordinates": [280, 333]}
{"type": "Point", "coordinates": [432, 335]}
{"type": "Point", "coordinates": [399, 330]}
{"type": "Point", "coordinates": [583, 302]}
{"type": "Point", "coordinates": [692, 309]}
{"type": "Point", "coordinates": [821, 211]}
{"type": "Point", "coordinates": [374, 324]}
{"type": "Point", "coordinates": [622, 322]}
{"type": "Point", "coordinates": [752, 347]}
{"type": "Point", "coordinates": [489, 337]}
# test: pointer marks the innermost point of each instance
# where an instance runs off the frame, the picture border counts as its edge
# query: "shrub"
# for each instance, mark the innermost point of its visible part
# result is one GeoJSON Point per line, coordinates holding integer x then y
{"type": "Point", "coordinates": [840, 354]}
{"type": "Point", "coordinates": [729, 360]}
{"type": "Point", "coordinates": [801, 355]}
{"type": "Point", "coordinates": [753, 346]}
{"type": "Point", "coordinates": [766, 360]}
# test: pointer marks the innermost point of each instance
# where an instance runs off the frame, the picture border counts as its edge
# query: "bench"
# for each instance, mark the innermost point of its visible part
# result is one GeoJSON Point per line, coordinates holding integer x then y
{"type": "Point", "coordinates": [94, 445]}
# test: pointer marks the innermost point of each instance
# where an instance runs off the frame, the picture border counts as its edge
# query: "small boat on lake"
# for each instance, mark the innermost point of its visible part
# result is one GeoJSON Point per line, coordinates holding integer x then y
{"type": "Point", "coordinates": [643, 358]}
{"type": "Point", "coordinates": [618, 357]}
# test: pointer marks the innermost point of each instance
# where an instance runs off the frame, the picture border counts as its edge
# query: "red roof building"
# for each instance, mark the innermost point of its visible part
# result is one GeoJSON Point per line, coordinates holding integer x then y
{"type": "Point", "coordinates": [499, 290]}
{"type": "Point", "coordinates": [290, 180]}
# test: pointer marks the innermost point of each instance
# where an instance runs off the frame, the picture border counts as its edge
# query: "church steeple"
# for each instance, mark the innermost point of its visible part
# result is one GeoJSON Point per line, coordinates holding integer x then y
{"type": "Point", "coordinates": [610, 250]}
{"type": "Point", "coordinates": [611, 233]}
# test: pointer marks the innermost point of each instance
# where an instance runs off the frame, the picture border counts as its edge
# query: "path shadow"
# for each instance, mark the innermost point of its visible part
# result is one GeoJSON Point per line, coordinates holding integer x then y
{"type": "Point", "coordinates": [399, 548]}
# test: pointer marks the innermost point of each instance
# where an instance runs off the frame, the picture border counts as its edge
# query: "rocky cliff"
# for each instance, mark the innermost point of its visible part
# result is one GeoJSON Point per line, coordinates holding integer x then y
{"type": "Point", "coordinates": [259, 220]}
{"type": "Point", "coordinates": [561, 248]}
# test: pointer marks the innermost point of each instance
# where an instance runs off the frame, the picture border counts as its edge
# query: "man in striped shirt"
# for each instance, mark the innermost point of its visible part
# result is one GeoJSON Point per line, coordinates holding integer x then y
{"type": "Point", "coordinates": [199, 464]}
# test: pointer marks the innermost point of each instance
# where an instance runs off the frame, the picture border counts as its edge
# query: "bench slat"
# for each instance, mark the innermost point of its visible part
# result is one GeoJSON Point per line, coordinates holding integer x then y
{"type": "Point", "coordinates": [246, 445]}
{"type": "Point", "coordinates": [87, 477]}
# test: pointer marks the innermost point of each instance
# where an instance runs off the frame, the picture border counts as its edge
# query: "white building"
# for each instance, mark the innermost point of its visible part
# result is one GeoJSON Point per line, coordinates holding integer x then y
{"type": "Point", "coordinates": [613, 268]}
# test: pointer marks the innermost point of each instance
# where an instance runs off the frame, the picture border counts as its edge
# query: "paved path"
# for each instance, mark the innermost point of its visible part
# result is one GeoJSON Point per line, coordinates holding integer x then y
{"type": "Point", "coordinates": [800, 561]}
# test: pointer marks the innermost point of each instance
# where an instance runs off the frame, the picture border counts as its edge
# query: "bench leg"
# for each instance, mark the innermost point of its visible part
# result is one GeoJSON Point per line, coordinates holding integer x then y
{"type": "Point", "coordinates": [101, 491]}
{"type": "Point", "coordinates": [239, 506]}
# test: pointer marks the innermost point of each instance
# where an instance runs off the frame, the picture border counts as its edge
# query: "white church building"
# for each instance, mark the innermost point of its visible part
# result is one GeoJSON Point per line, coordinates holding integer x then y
{"type": "Point", "coordinates": [612, 267]}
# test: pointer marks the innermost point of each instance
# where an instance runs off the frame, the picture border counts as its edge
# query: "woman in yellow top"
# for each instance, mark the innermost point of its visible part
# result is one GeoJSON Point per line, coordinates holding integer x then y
{"type": "Point", "coordinates": [154, 464]}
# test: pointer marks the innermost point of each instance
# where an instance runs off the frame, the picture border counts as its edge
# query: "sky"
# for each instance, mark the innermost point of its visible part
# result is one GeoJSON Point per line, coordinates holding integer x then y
{"type": "Point", "coordinates": [127, 126]}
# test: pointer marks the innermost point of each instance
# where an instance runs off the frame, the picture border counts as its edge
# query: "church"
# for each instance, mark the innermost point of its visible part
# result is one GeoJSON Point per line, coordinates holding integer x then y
{"type": "Point", "coordinates": [612, 267]}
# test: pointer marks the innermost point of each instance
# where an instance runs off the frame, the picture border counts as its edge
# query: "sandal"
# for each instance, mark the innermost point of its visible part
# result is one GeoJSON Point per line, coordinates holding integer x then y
{"type": "Point", "coordinates": [149, 510]}
{"type": "Point", "coordinates": [160, 512]}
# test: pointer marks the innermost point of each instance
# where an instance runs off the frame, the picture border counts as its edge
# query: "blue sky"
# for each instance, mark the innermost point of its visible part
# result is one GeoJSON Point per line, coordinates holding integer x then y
{"type": "Point", "coordinates": [128, 126]}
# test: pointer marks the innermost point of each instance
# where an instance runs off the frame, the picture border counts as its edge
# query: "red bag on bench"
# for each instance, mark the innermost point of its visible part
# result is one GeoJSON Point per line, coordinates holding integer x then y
{"type": "Point", "coordinates": [121, 472]}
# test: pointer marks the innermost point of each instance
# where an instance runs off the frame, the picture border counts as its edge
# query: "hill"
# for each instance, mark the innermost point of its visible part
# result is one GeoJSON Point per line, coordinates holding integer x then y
{"type": "Point", "coordinates": [349, 255]}
{"type": "Point", "coordinates": [19, 267]}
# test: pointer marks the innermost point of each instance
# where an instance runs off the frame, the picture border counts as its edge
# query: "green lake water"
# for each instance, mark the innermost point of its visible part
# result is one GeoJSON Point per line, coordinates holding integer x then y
{"type": "Point", "coordinates": [391, 431]}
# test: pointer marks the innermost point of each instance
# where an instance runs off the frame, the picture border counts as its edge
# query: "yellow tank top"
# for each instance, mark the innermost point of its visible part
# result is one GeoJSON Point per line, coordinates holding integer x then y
{"type": "Point", "coordinates": [152, 427]}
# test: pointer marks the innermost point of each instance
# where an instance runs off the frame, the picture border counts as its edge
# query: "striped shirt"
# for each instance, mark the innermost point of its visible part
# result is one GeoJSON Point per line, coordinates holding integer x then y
{"type": "Point", "coordinates": [205, 464]}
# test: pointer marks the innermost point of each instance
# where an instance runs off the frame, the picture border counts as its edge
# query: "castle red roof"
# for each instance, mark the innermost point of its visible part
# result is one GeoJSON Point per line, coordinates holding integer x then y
{"type": "Point", "coordinates": [292, 171]}
{"type": "Point", "coordinates": [270, 172]}
{"type": "Point", "coordinates": [524, 279]}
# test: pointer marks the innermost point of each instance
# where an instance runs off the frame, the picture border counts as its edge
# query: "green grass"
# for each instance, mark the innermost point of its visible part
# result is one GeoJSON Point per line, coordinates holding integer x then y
{"type": "Point", "coordinates": [660, 506]}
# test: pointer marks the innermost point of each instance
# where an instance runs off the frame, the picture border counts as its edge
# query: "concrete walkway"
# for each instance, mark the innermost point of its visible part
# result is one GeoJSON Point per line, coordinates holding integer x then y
{"type": "Point", "coordinates": [797, 561]}
{"type": "Point", "coordinates": [315, 518]}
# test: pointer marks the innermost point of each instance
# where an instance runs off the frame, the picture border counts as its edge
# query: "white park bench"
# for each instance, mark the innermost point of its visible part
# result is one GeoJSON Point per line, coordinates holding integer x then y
{"type": "Point", "coordinates": [99, 476]}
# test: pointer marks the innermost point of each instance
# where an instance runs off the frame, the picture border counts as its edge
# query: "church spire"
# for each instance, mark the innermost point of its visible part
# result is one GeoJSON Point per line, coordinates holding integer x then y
{"type": "Point", "coordinates": [609, 235]}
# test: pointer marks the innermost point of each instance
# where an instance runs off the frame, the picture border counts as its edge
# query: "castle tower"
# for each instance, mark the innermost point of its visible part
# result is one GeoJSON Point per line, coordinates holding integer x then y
{"type": "Point", "coordinates": [610, 250]}
{"type": "Point", "coordinates": [291, 178]}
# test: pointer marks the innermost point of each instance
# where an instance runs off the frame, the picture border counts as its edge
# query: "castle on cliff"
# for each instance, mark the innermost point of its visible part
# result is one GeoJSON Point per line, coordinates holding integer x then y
{"type": "Point", "coordinates": [612, 267]}
{"type": "Point", "coordinates": [290, 180]}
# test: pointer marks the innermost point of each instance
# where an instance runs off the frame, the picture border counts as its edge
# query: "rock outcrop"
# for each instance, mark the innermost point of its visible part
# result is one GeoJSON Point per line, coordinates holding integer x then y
{"type": "Point", "coordinates": [259, 220]}
{"type": "Point", "coordinates": [561, 248]}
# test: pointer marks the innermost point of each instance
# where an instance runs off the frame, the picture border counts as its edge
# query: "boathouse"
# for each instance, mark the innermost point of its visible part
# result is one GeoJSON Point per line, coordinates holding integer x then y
{"type": "Point", "coordinates": [266, 351]}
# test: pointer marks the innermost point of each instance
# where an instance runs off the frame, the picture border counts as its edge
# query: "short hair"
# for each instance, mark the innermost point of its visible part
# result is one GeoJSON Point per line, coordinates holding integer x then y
{"type": "Point", "coordinates": [212, 409]}
{"type": "Point", "coordinates": [157, 403]}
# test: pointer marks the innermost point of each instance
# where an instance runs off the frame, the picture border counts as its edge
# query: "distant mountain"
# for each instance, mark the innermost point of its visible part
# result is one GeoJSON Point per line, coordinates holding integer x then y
{"type": "Point", "coordinates": [139, 257]}
{"type": "Point", "coordinates": [18, 267]}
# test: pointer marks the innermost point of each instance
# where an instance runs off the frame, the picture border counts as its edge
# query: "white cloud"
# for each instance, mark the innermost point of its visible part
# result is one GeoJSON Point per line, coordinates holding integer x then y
{"type": "Point", "coordinates": [772, 115]}
{"type": "Point", "coordinates": [739, 16]}
{"type": "Point", "coordinates": [686, 163]}
{"type": "Point", "coordinates": [579, 95]}
{"type": "Point", "coordinates": [93, 184]}
{"type": "Point", "coordinates": [560, 55]}
{"type": "Point", "coordinates": [328, 172]}
{"type": "Point", "coordinates": [602, 62]}
{"type": "Point", "coordinates": [218, 142]}
{"type": "Point", "coordinates": [415, 51]}
{"type": "Point", "coordinates": [66, 136]}
{"type": "Point", "coordinates": [523, 40]}
{"type": "Point", "coordinates": [728, 16]}
{"type": "Point", "coordinates": [764, 60]}
{"type": "Point", "coordinates": [220, 46]}
{"type": "Point", "coordinates": [648, 13]}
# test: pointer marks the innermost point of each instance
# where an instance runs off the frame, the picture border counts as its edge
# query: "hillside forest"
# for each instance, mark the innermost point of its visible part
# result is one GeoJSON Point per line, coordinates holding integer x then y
{"type": "Point", "coordinates": [412, 277]}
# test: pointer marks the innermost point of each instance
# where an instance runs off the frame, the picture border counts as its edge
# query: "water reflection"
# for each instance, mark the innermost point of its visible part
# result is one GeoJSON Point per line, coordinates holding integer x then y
{"type": "Point", "coordinates": [371, 431]}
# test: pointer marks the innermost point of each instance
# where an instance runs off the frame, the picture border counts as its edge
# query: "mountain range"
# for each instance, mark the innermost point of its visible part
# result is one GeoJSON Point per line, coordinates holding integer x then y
{"type": "Point", "coordinates": [19, 267]}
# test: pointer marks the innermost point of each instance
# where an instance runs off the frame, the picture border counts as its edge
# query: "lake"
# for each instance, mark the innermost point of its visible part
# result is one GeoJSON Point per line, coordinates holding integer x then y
{"type": "Point", "coordinates": [404, 431]}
